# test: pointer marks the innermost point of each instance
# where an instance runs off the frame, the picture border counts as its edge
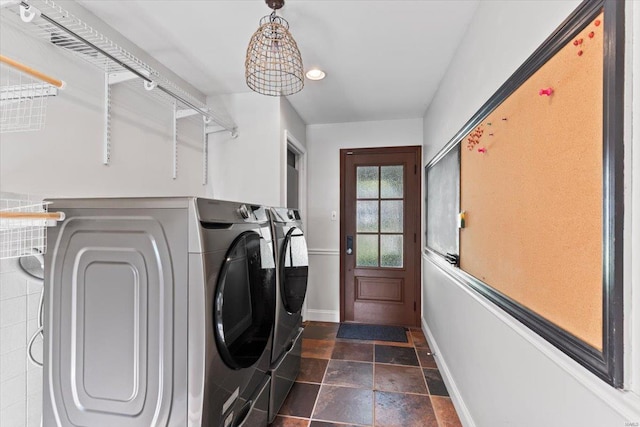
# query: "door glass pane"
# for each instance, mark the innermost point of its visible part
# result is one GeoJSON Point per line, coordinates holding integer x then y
{"type": "Point", "coordinates": [245, 286]}
{"type": "Point", "coordinates": [295, 250]}
{"type": "Point", "coordinates": [367, 216]}
{"type": "Point", "coordinates": [391, 214]}
{"type": "Point", "coordinates": [391, 184]}
{"type": "Point", "coordinates": [367, 250]}
{"type": "Point", "coordinates": [367, 182]}
{"type": "Point", "coordinates": [391, 250]}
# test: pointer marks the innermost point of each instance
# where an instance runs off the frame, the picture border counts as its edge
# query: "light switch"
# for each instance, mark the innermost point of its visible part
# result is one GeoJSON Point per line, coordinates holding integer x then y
{"type": "Point", "coordinates": [334, 215]}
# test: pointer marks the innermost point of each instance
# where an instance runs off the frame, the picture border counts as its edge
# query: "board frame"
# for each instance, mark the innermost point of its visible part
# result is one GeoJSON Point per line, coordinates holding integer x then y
{"type": "Point", "coordinates": [607, 363]}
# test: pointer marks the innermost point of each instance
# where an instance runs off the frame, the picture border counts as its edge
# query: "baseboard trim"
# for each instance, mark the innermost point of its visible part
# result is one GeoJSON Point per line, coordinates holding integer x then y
{"type": "Point", "coordinates": [323, 315]}
{"type": "Point", "coordinates": [454, 392]}
{"type": "Point", "coordinates": [318, 251]}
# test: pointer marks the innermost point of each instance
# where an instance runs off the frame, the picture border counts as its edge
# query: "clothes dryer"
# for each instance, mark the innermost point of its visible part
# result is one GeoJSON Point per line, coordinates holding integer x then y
{"type": "Point", "coordinates": [293, 265]}
{"type": "Point", "coordinates": [158, 312]}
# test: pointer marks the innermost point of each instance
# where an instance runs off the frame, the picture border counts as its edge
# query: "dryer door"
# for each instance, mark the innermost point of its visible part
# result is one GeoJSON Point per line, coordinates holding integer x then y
{"type": "Point", "coordinates": [243, 314]}
{"type": "Point", "coordinates": [294, 271]}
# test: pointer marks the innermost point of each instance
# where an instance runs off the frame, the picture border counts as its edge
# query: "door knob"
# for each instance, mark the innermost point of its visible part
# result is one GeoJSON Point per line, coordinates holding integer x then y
{"type": "Point", "coordinates": [349, 245]}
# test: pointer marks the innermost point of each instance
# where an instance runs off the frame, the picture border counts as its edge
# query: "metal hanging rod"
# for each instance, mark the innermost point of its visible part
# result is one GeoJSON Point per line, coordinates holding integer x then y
{"type": "Point", "coordinates": [149, 82]}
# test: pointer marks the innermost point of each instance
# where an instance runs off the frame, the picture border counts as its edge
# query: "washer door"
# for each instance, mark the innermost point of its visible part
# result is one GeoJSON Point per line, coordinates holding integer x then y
{"type": "Point", "coordinates": [294, 271]}
{"type": "Point", "coordinates": [243, 315]}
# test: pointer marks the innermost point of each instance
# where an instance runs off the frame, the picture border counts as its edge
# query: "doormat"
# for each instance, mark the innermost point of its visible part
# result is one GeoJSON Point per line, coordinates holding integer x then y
{"type": "Point", "coordinates": [354, 331]}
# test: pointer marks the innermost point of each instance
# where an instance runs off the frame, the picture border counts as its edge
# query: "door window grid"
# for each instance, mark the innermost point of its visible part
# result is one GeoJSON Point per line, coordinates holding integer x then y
{"type": "Point", "coordinates": [379, 216]}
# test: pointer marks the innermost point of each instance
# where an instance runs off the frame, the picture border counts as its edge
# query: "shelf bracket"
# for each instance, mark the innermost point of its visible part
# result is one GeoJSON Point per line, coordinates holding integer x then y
{"type": "Point", "coordinates": [175, 140]}
{"type": "Point", "coordinates": [120, 77]}
{"type": "Point", "coordinates": [188, 112]}
{"type": "Point", "coordinates": [208, 128]}
{"type": "Point", "coordinates": [111, 79]}
{"type": "Point", "coordinates": [205, 151]}
{"type": "Point", "coordinates": [106, 138]}
{"type": "Point", "coordinates": [218, 129]}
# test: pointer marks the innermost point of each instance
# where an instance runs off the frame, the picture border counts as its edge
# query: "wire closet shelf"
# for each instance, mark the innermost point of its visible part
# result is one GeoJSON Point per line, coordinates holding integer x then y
{"type": "Point", "coordinates": [23, 225]}
{"type": "Point", "coordinates": [48, 21]}
{"type": "Point", "coordinates": [23, 96]}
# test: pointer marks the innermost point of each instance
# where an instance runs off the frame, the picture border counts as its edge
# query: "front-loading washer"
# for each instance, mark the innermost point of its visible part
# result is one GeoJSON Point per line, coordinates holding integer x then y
{"type": "Point", "coordinates": [293, 268]}
{"type": "Point", "coordinates": [158, 312]}
{"type": "Point", "coordinates": [235, 260]}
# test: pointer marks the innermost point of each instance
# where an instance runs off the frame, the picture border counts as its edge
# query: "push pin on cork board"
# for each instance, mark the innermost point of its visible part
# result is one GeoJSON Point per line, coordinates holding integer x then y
{"type": "Point", "coordinates": [462, 219]}
{"type": "Point", "coordinates": [548, 92]}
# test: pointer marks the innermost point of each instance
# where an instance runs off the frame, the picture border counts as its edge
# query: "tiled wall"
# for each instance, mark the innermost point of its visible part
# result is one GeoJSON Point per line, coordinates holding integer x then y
{"type": "Point", "coordinates": [20, 380]}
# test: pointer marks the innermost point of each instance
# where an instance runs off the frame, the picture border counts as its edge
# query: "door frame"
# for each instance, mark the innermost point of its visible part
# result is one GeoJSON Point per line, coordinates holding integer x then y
{"type": "Point", "coordinates": [289, 141]}
{"type": "Point", "coordinates": [417, 149]}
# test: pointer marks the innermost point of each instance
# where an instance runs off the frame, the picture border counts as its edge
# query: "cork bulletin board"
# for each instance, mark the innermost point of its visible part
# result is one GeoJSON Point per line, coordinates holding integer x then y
{"type": "Point", "coordinates": [541, 192]}
{"type": "Point", "coordinates": [532, 191]}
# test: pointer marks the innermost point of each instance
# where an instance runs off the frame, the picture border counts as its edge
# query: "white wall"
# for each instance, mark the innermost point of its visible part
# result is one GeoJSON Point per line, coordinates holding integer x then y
{"type": "Point", "coordinates": [291, 121]}
{"type": "Point", "coordinates": [252, 167]}
{"type": "Point", "coordinates": [499, 372]}
{"type": "Point", "coordinates": [248, 168]}
{"type": "Point", "coordinates": [324, 143]}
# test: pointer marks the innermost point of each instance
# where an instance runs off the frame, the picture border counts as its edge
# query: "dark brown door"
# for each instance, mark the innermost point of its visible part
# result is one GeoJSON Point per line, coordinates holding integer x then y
{"type": "Point", "coordinates": [380, 219]}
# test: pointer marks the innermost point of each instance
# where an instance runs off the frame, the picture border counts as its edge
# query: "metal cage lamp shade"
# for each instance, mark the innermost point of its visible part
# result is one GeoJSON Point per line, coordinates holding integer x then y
{"type": "Point", "coordinates": [273, 65]}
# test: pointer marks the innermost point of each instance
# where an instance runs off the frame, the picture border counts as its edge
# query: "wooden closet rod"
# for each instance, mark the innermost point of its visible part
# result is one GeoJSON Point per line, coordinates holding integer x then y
{"type": "Point", "coordinates": [57, 216]}
{"type": "Point", "coordinates": [32, 72]}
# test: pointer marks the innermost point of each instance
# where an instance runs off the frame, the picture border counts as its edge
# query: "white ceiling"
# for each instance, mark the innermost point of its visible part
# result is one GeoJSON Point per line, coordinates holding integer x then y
{"type": "Point", "coordinates": [383, 59]}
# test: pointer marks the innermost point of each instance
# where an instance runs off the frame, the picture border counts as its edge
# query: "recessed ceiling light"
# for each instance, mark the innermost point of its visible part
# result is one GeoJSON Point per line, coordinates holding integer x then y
{"type": "Point", "coordinates": [315, 74]}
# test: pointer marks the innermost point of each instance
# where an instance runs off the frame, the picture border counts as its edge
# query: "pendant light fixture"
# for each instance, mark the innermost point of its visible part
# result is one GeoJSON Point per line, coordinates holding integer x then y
{"type": "Point", "coordinates": [273, 65]}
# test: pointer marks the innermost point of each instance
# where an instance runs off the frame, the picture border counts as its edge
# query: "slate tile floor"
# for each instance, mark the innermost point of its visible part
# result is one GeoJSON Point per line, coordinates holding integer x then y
{"type": "Point", "coordinates": [366, 383]}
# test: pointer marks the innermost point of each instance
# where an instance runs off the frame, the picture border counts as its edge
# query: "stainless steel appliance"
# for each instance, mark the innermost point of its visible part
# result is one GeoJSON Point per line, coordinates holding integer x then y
{"type": "Point", "coordinates": [293, 266]}
{"type": "Point", "coordinates": [159, 312]}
